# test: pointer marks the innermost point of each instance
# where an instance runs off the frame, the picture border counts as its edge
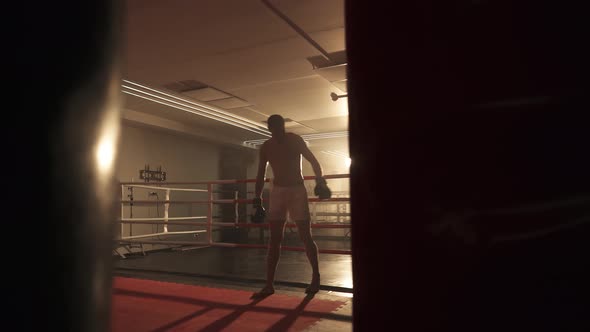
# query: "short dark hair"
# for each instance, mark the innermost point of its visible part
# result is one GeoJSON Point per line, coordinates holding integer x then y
{"type": "Point", "coordinates": [275, 120]}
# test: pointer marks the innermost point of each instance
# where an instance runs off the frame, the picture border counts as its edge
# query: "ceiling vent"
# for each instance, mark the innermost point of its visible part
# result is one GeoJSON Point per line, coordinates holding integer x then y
{"type": "Point", "coordinates": [183, 86]}
{"type": "Point", "coordinates": [206, 93]}
{"type": "Point", "coordinates": [333, 70]}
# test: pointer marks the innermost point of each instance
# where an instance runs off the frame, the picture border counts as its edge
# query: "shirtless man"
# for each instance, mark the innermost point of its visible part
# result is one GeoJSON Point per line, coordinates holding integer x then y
{"type": "Point", "coordinates": [288, 194]}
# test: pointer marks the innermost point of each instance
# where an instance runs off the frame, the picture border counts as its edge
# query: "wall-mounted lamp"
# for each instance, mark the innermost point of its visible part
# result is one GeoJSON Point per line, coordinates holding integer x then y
{"type": "Point", "coordinates": [335, 96]}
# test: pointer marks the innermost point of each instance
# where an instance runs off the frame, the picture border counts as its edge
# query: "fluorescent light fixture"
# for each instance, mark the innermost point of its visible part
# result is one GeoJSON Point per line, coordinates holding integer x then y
{"type": "Point", "coordinates": [200, 109]}
{"type": "Point", "coordinates": [336, 134]}
{"type": "Point", "coordinates": [213, 113]}
{"type": "Point", "coordinates": [309, 137]}
{"type": "Point", "coordinates": [202, 105]}
{"type": "Point", "coordinates": [192, 111]}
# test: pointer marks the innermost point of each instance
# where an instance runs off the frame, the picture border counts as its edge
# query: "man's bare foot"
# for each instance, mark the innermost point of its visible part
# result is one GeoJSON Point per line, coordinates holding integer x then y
{"type": "Point", "coordinates": [266, 291]}
{"type": "Point", "coordinates": [314, 287]}
{"type": "Point", "coordinates": [311, 289]}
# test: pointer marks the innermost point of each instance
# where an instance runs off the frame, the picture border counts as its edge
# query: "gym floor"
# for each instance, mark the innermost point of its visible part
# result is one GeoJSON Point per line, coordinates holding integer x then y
{"type": "Point", "coordinates": [244, 269]}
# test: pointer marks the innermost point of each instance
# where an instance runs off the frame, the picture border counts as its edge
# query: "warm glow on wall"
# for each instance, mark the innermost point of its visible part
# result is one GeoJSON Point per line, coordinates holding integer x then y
{"type": "Point", "coordinates": [345, 157]}
{"type": "Point", "coordinates": [343, 106]}
{"type": "Point", "coordinates": [105, 149]}
{"type": "Point", "coordinates": [105, 152]}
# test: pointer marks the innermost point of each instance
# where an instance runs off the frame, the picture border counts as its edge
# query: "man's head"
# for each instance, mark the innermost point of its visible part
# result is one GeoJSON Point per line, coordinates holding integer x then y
{"type": "Point", "coordinates": [276, 124]}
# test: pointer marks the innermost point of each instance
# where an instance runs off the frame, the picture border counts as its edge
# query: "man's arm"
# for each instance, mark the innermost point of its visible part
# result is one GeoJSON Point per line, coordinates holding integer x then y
{"type": "Point", "coordinates": [307, 154]}
{"type": "Point", "coordinates": [321, 187]}
{"type": "Point", "coordinates": [262, 163]}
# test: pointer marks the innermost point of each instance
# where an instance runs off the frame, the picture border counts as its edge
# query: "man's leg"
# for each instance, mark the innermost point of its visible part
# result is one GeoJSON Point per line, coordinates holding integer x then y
{"type": "Point", "coordinates": [311, 249]}
{"type": "Point", "coordinates": [277, 228]}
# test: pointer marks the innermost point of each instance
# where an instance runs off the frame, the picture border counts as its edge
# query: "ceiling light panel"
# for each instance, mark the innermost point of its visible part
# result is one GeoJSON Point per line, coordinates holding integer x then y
{"type": "Point", "coordinates": [206, 94]}
{"type": "Point", "coordinates": [229, 103]}
{"type": "Point", "coordinates": [186, 85]}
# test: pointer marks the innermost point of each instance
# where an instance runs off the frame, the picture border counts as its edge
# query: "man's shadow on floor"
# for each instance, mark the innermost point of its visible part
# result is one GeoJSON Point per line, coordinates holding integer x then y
{"type": "Point", "coordinates": [282, 325]}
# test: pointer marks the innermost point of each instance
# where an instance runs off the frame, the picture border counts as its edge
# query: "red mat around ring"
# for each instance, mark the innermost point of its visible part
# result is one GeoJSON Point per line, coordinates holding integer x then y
{"type": "Point", "coordinates": [147, 305]}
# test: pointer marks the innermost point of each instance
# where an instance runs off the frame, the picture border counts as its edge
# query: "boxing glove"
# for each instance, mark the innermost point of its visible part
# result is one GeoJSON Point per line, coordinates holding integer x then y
{"type": "Point", "coordinates": [259, 212]}
{"type": "Point", "coordinates": [321, 188]}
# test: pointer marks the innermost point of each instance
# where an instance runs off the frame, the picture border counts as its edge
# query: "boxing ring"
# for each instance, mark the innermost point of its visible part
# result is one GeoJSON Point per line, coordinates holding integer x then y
{"type": "Point", "coordinates": [205, 224]}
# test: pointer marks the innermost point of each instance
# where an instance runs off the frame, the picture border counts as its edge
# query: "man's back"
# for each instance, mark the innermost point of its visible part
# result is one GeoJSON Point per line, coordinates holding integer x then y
{"type": "Point", "coordinates": [284, 157]}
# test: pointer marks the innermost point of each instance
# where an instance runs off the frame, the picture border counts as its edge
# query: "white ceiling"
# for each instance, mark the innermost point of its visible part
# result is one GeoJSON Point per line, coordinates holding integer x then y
{"type": "Point", "coordinates": [241, 48]}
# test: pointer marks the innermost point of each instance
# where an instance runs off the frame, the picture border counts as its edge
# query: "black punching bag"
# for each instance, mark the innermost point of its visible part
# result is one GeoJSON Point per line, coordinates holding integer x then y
{"type": "Point", "coordinates": [471, 114]}
{"type": "Point", "coordinates": [68, 68]}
